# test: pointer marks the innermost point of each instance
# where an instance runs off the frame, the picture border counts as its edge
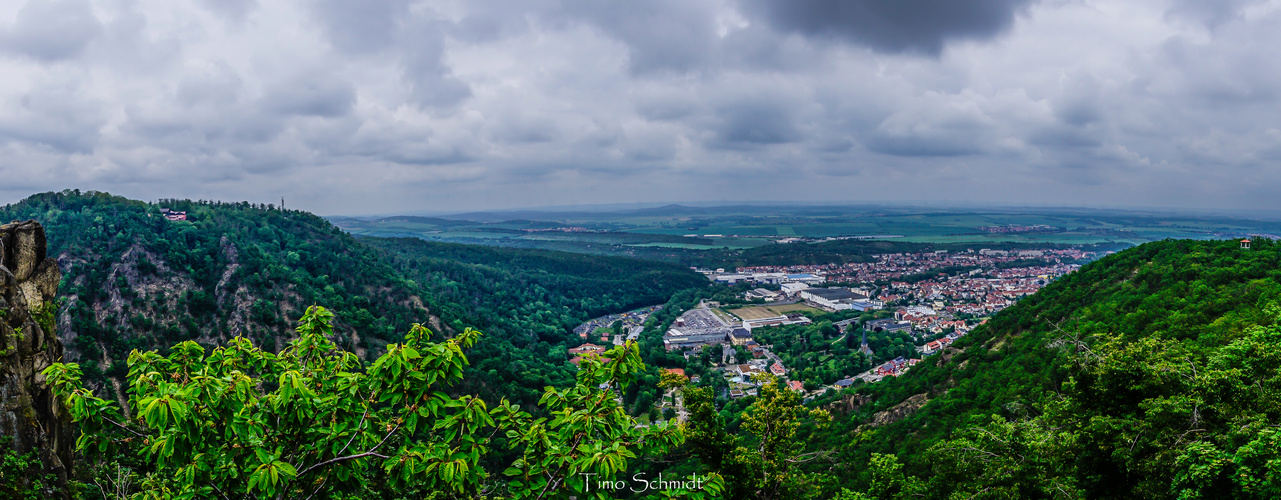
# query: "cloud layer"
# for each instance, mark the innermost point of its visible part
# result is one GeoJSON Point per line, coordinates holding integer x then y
{"type": "Point", "coordinates": [402, 105]}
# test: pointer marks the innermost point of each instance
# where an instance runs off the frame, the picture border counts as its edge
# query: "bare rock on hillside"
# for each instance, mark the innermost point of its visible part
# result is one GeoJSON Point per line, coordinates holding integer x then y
{"type": "Point", "coordinates": [29, 412]}
{"type": "Point", "coordinates": [899, 411]}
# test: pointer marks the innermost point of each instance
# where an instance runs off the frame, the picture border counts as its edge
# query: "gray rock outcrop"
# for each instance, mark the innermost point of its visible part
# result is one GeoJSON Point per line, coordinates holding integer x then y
{"type": "Point", "coordinates": [899, 411]}
{"type": "Point", "coordinates": [29, 412]}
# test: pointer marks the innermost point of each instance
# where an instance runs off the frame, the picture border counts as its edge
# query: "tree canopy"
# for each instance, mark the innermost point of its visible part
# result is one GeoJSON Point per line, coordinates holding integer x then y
{"type": "Point", "coordinates": [314, 422]}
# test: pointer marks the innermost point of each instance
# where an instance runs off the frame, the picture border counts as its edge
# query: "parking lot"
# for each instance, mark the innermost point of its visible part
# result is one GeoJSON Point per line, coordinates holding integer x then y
{"type": "Point", "coordinates": [701, 319]}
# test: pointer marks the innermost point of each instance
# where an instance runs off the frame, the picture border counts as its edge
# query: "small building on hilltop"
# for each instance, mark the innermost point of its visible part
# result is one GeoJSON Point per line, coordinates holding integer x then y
{"type": "Point", "coordinates": [173, 215]}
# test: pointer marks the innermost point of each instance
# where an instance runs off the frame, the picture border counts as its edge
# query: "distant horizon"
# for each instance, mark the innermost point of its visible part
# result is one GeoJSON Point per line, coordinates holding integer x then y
{"type": "Point", "coordinates": [606, 208]}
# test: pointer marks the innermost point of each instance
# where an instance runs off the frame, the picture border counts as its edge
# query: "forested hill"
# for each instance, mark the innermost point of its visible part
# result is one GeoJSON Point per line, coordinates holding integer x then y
{"type": "Point", "coordinates": [134, 280]}
{"type": "Point", "coordinates": [528, 301]}
{"type": "Point", "coordinates": [1151, 373]}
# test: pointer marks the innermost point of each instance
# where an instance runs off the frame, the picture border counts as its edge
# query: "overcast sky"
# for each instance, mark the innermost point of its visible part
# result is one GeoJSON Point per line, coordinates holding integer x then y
{"type": "Point", "coordinates": [382, 106]}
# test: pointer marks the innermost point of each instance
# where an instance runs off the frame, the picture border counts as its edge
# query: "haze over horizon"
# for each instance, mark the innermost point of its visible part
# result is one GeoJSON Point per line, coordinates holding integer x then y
{"type": "Point", "coordinates": [399, 106]}
{"type": "Point", "coordinates": [553, 212]}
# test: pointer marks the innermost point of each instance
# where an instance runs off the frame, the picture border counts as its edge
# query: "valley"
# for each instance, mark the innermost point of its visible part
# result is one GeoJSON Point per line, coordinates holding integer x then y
{"type": "Point", "coordinates": [888, 353]}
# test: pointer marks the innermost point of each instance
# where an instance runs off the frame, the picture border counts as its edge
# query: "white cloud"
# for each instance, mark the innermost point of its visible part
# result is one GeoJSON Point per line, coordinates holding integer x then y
{"type": "Point", "coordinates": [400, 105]}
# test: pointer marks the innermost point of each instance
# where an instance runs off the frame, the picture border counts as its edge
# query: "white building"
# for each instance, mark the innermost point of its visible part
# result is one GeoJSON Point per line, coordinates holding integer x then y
{"type": "Point", "coordinates": [837, 299]}
{"type": "Point", "coordinates": [793, 288]}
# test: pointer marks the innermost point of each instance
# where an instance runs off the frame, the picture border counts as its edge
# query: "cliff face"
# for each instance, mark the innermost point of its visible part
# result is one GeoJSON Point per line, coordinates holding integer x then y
{"type": "Point", "coordinates": [29, 412]}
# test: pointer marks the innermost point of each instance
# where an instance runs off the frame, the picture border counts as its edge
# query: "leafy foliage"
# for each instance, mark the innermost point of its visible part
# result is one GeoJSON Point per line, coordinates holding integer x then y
{"type": "Point", "coordinates": [313, 420]}
{"type": "Point", "coordinates": [765, 462]}
{"type": "Point", "coordinates": [20, 474]}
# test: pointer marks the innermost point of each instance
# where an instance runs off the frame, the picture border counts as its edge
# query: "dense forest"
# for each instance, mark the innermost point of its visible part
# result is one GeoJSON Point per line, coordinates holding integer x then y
{"type": "Point", "coordinates": [528, 301]}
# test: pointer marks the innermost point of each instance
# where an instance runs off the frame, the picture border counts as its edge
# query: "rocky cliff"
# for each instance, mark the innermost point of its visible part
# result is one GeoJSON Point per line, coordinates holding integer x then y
{"type": "Point", "coordinates": [29, 412]}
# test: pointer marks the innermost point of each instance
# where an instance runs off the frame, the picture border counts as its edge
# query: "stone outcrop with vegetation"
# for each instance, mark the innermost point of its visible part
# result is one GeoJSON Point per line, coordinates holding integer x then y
{"type": "Point", "coordinates": [30, 415]}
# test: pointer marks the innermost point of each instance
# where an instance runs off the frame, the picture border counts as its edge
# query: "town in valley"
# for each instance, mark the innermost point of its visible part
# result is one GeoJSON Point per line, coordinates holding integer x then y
{"type": "Point", "coordinates": [857, 323]}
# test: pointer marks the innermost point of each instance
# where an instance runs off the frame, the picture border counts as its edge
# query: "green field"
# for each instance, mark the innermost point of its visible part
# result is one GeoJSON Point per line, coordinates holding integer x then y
{"type": "Point", "coordinates": [689, 246]}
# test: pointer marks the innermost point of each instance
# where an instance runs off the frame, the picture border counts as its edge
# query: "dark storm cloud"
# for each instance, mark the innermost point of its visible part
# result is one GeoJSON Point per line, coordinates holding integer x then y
{"type": "Point", "coordinates": [51, 30]}
{"type": "Point", "coordinates": [892, 26]}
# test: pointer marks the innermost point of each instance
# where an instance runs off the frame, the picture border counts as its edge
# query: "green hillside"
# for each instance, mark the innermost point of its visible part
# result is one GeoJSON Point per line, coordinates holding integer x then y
{"type": "Point", "coordinates": [1151, 373]}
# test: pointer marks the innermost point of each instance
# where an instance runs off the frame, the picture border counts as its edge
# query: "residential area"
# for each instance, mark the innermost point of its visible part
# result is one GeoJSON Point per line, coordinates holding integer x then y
{"type": "Point", "coordinates": [907, 320]}
{"type": "Point", "coordinates": [832, 326]}
{"type": "Point", "coordinates": [629, 323]}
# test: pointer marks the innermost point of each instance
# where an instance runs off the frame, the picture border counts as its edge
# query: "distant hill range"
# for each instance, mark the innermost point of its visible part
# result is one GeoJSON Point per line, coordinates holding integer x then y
{"type": "Point", "coordinates": [719, 236]}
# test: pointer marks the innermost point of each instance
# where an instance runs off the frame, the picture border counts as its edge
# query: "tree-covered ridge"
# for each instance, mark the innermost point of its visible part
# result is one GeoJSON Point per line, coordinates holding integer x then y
{"type": "Point", "coordinates": [133, 279]}
{"type": "Point", "coordinates": [529, 301]}
{"type": "Point", "coordinates": [1151, 373]}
